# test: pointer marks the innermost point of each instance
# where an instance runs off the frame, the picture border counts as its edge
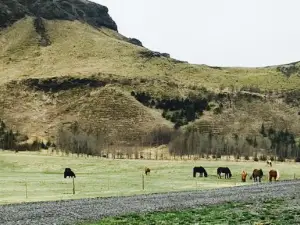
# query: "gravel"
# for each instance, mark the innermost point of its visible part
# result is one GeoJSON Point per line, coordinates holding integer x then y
{"type": "Point", "coordinates": [76, 211]}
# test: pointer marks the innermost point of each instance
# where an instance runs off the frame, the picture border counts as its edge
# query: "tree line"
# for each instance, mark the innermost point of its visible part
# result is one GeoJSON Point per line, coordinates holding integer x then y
{"type": "Point", "coordinates": [278, 144]}
{"type": "Point", "coordinates": [10, 140]}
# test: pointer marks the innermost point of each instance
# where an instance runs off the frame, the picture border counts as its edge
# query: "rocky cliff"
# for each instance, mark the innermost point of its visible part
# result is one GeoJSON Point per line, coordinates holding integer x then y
{"type": "Point", "coordinates": [83, 10]}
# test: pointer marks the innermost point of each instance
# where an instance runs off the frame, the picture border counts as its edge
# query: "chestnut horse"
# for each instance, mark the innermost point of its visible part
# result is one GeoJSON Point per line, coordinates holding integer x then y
{"type": "Point", "coordinates": [244, 175]}
{"type": "Point", "coordinates": [274, 174]}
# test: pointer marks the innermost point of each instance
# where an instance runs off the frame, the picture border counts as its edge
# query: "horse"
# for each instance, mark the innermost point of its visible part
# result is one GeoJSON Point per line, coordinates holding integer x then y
{"type": "Point", "coordinates": [69, 173]}
{"type": "Point", "coordinates": [244, 175]}
{"type": "Point", "coordinates": [200, 170]}
{"type": "Point", "coordinates": [269, 163]}
{"type": "Point", "coordinates": [225, 170]}
{"type": "Point", "coordinates": [257, 174]}
{"type": "Point", "coordinates": [274, 174]}
{"type": "Point", "coordinates": [147, 170]}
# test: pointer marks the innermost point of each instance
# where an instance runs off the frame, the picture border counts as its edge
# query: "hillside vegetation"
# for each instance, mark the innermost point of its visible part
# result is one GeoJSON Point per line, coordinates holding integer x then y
{"type": "Point", "coordinates": [93, 76]}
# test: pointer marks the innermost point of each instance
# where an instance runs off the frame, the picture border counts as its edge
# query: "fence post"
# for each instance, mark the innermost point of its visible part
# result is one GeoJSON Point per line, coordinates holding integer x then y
{"type": "Point", "coordinates": [73, 186]}
{"type": "Point", "coordinates": [294, 176]}
{"type": "Point", "coordinates": [26, 193]}
{"type": "Point", "coordinates": [143, 182]}
{"type": "Point", "coordinates": [108, 183]}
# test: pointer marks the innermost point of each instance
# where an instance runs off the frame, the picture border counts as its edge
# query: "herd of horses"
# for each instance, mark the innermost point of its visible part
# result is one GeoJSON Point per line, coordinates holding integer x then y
{"type": "Point", "coordinates": [256, 175]}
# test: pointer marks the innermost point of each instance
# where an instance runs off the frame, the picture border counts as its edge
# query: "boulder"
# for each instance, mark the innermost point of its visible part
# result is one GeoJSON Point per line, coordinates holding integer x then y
{"type": "Point", "coordinates": [83, 10]}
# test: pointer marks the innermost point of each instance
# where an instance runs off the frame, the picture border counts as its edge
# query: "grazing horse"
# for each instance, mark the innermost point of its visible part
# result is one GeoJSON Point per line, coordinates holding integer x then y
{"type": "Point", "coordinates": [200, 170]}
{"type": "Point", "coordinates": [274, 174]}
{"type": "Point", "coordinates": [244, 176]}
{"type": "Point", "coordinates": [269, 163]}
{"type": "Point", "coordinates": [69, 173]}
{"type": "Point", "coordinates": [147, 170]}
{"type": "Point", "coordinates": [257, 174]}
{"type": "Point", "coordinates": [225, 170]}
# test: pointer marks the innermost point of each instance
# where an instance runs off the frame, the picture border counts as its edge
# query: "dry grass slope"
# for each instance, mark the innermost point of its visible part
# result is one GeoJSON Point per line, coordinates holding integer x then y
{"type": "Point", "coordinates": [78, 50]}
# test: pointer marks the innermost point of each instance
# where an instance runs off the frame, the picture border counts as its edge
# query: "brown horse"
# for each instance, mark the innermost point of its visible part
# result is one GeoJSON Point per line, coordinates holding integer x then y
{"type": "Point", "coordinates": [147, 170]}
{"type": "Point", "coordinates": [244, 175]}
{"type": "Point", "coordinates": [274, 174]}
{"type": "Point", "coordinates": [257, 174]}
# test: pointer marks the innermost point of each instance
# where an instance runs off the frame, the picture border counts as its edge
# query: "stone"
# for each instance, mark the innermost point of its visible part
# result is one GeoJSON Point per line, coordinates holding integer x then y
{"type": "Point", "coordinates": [83, 10]}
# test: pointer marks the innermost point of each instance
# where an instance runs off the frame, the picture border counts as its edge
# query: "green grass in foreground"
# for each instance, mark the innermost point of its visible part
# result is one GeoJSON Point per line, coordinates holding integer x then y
{"type": "Point", "coordinates": [276, 211]}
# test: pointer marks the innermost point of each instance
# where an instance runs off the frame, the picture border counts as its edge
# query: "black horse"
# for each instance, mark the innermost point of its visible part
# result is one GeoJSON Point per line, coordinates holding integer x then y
{"type": "Point", "coordinates": [147, 170]}
{"type": "Point", "coordinates": [225, 170]}
{"type": "Point", "coordinates": [257, 174]}
{"type": "Point", "coordinates": [69, 173]}
{"type": "Point", "coordinates": [200, 170]}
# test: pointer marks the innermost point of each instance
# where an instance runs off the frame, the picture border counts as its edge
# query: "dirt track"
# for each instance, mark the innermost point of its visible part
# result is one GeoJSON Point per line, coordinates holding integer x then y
{"type": "Point", "coordinates": [75, 211]}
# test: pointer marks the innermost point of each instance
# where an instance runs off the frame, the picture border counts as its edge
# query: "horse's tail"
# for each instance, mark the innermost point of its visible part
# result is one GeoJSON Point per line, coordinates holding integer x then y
{"type": "Point", "coordinates": [277, 178]}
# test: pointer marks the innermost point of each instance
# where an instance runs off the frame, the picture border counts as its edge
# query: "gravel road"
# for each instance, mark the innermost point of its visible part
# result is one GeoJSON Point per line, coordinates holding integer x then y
{"type": "Point", "coordinates": [75, 211]}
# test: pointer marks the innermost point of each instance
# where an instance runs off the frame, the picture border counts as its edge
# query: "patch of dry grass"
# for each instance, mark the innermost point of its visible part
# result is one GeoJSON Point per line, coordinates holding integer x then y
{"type": "Point", "coordinates": [78, 49]}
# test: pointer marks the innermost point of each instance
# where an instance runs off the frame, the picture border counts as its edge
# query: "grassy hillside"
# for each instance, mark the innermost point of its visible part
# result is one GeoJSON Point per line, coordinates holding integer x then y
{"type": "Point", "coordinates": [87, 74]}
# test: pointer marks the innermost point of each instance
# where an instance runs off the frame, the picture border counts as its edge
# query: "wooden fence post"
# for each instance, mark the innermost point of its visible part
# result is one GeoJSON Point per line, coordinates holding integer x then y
{"type": "Point", "coordinates": [294, 176]}
{"type": "Point", "coordinates": [143, 182]}
{"type": "Point", "coordinates": [26, 192]}
{"type": "Point", "coordinates": [73, 186]}
{"type": "Point", "coordinates": [108, 183]}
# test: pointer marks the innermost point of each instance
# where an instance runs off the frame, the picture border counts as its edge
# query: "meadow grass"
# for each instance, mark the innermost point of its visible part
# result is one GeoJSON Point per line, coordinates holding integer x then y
{"type": "Point", "coordinates": [275, 211]}
{"type": "Point", "coordinates": [98, 177]}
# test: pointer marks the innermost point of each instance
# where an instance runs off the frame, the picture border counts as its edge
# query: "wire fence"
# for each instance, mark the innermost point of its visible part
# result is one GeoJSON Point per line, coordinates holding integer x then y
{"type": "Point", "coordinates": [32, 187]}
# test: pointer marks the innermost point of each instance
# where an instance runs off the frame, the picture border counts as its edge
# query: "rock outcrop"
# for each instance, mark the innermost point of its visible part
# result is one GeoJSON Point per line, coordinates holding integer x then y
{"type": "Point", "coordinates": [83, 10]}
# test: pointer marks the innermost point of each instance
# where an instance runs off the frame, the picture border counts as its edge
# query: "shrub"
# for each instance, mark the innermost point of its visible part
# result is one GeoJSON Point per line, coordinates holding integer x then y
{"type": "Point", "coordinates": [280, 159]}
{"type": "Point", "coordinates": [272, 158]}
{"type": "Point", "coordinates": [297, 159]}
{"type": "Point", "coordinates": [255, 159]}
{"type": "Point", "coordinates": [263, 158]}
{"type": "Point", "coordinates": [246, 157]}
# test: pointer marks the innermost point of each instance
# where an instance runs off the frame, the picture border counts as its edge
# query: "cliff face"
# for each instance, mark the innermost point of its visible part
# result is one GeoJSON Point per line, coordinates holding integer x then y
{"type": "Point", "coordinates": [83, 10]}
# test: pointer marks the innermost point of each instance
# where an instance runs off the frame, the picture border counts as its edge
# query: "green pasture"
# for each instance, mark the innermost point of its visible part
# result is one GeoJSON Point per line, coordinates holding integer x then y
{"type": "Point", "coordinates": [275, 212]}
{"type": "Point", "coordinates": [27, 177]}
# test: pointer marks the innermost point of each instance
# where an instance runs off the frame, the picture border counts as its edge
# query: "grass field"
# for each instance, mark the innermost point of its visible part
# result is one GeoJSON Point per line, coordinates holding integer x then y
{"type": "Point", "coordinates": [42, 176]}
{"type": "Point", "coordinates": [276, 211]}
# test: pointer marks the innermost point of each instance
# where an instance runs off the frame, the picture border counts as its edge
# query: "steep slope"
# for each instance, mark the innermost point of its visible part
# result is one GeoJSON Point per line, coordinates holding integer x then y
{"type": "Point", "coordinates": [58, 70]}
